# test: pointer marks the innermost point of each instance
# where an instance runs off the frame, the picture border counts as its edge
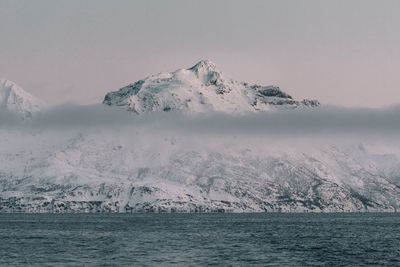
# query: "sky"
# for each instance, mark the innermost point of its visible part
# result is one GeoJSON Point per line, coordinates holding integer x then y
{"type": "Point", "coordinates": [342, 52]}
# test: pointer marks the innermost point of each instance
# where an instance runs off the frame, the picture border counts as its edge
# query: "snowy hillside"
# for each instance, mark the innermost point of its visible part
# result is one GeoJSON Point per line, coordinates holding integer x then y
{"type": "Point", "coordinates": [219, 155]}
{"type": "Point", "coordinates": [17, 101]}
{"type": "Point", "coordinates": [201, 88]}
{"type": "Point", "coordinates": [141, 169]}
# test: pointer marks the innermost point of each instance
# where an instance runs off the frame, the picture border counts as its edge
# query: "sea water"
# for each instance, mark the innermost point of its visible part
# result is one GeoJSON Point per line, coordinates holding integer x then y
{"type": "Point", "coordinates": [268, 239]}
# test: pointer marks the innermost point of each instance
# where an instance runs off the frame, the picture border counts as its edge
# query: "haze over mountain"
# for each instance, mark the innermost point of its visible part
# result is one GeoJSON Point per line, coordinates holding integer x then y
{"type": "Point", "coordinates": [196, 141]}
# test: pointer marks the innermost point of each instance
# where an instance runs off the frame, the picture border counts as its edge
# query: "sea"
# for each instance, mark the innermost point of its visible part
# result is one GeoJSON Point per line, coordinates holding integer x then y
{"type": "Point", "coordinates": [220, 239]}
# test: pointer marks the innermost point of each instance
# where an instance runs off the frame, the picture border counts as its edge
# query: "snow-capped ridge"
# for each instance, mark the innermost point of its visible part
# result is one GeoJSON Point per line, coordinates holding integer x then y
{"type": "Point", "coordinates": [16, 100]}
{"type": "Point", "coordinates": [206, 71]}
{"type": "Point", "coordinates": [201, 88]}
{"type": "Point", "coordinates": [204, 66]}
{"type": "Point", "coordinates": [149, 172]}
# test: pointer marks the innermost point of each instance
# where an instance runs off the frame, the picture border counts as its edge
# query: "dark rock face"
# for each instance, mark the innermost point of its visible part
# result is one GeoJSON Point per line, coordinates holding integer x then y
{"type": "Point", "coordinates": [310, 103]}
{"type": "Point", "coordinates": [124, 92]}
{"type": "Point", "coordinates": [270, 91]}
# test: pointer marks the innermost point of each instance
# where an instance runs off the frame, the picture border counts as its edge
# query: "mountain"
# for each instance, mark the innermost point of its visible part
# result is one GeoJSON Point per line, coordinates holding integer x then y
{"type": "Point", "coordinates": [145, 171]}
{"type": "Point", "coordinates": [16, 100]}
{"type": "Point", "coordinates": [201, 88]}
{"type": "Point", "coordinates": [118, 163]}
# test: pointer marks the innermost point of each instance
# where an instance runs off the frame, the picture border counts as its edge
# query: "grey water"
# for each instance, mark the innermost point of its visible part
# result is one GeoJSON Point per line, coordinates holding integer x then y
{"type": "Point", "coordinates": [341, 239]}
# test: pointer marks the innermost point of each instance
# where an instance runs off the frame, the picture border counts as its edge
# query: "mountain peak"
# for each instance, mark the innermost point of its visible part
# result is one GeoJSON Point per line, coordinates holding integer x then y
{"type": "Point", "coordinates": [206, 71]}
{"type": "Point", "coordinates": [201, 88]}
{"type": "Point", "coordinates": [16, 100]}
{"type": "Point", "coordinates": [204, 66]}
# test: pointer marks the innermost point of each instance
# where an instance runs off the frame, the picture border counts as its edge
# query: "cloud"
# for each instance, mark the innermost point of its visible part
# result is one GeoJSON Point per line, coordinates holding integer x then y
{"type": "Point", "coordinates": [328, 120]}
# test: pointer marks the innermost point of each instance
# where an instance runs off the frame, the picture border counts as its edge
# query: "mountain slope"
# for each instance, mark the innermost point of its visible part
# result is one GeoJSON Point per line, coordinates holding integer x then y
{"type": "Point", "coordinates": [16, 100]}
{"type": "Point", "coordinates": [201, 88]}
{"type": "Point", "coordinates": [109, 172]}
{"type": "Point", "coordinates": [162, 163]}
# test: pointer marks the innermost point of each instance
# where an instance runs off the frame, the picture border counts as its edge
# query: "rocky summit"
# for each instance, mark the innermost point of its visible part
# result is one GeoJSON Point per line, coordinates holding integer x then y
{"type": "Point", "coordinates": [201, 88]}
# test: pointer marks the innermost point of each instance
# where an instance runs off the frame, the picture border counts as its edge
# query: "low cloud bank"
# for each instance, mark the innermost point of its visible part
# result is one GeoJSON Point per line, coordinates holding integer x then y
{"type": "Point", "coordinates": [325, 120]}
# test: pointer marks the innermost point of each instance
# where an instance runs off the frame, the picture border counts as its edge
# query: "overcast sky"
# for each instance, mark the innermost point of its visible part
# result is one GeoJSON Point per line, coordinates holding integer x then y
{"type": "Point", "coordinates": [341, 52]}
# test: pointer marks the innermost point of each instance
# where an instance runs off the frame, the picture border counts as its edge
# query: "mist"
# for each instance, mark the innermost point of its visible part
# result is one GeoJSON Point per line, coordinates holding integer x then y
{"type": "Point", "coordinates": [323, 121]}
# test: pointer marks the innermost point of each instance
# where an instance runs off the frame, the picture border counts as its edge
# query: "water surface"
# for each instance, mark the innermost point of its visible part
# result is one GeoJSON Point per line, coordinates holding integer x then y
{"type": "Point", "coordinates": [200, 239]}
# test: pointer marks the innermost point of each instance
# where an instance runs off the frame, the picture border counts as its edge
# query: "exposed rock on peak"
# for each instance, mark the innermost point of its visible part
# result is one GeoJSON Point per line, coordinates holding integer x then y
{"type": "Point", "coordinates": [201, 88]}
{"type": "Point", "coordinates": [204, 66]}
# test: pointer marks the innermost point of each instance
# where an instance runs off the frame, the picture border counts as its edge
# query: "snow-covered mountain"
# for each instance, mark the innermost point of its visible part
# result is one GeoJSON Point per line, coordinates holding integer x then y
{"type": "Point", "coordinates": [144, 171]}
{"type": "Point", "coordinates": [16, 100]}
{"type": "Point", "coordinates": [109, 161]}
{"type": "Point", "coordinates": [201, 88]}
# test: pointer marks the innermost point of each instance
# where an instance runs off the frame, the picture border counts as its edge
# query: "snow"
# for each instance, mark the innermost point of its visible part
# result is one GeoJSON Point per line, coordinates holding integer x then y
{"type": "Point", "coordinates": [201, 88]}
{"type": "Point", "coordinates": [111, 170]}
{"type": "Point", "coordinates": [162, 163]}
{"type": "Point", "coordinates": [17, 101]}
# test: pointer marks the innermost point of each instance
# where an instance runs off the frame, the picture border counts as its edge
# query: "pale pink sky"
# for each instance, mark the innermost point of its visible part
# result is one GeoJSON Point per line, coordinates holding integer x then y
{"type": "Point", "coordinates": [343, 52]}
